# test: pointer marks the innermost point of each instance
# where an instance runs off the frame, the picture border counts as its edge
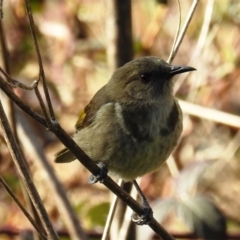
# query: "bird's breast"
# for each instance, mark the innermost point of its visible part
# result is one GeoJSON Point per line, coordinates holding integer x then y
{"type": "Point", "coordinates": [151, 139]}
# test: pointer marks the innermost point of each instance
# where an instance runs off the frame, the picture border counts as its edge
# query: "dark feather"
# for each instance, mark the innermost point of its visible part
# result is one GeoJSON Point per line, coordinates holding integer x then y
{"type": "Point", "coordinates": [172, 121]}
{"type": "Point", "coordinates": [135, 118]}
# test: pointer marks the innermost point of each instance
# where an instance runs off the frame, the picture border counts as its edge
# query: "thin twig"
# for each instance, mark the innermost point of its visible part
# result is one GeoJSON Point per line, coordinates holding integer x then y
{"type": "Point", "coordinates": [171, 55]}
{"type": "Point", "coordinates": [201, 44]}
{"type": "Point", "coordinates": [25, 212]}
{"type": "Point", "coordinates": [35, 150]}
{"type": "Point", "coordinates": [6, 65]}
{"type": "Point", "coordinates": [185, 27]}
{"type": "Point", "coordinates": [177, 42]}
{"type": "Point", "coordinates": [10, 112]}
{"type": "Point", "coordinates": [5, 55]}
{"type": "Point", "coordinates": [126, 223]}
{"type": "Point", "coordinates": [15, 84]}
{"type": "Point", "coordinates": [8, 91]}
{"type": "Point", "coordinates": [210, 114]}
{"type": "Point", "coordinates": [25, 176]}
{"type": "Point", "coordinates": [111, 214]}
{"type": "Point", "coordinates": [42, 105]}
{"type": "Point", "coordinates": [75, 229]}
{"type": "Point", "coordinates": [41, 69]}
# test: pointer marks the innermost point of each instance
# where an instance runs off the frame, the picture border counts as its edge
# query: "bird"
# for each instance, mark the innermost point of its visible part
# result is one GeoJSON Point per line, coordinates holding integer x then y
{"type": "Point", "coordinates": [133, 123]}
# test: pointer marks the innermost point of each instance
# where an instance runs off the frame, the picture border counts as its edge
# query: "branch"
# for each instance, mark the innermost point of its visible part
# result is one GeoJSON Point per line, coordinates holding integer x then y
{"type": "Point", "coordinates": [25, 176]}
{"type": "Point", "coordinates": [8, 91]}
{"type": "Point", "coordinates": [172, 53]}
{"type": "Point", "coordinates": [41, 69]}
{"type": "Point", "coordinates": [111, 214]}
{"type": "Point", "coordinates": [10, 112]}
{"type": "Point", "coordinates": [36, 151]}
{"type": "Point", "coordinates": [28, 216]}
{"type": "Point", "coordinates": [184, 29]}
{"type": "Point", "coordinates": [210, 114]}
{"type": "Point", "coordinates": [119, 33]}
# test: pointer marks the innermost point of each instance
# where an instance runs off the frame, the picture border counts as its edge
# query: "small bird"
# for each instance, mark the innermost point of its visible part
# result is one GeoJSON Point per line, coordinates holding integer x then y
{"type": "Point", "coordinates": [133, 123]}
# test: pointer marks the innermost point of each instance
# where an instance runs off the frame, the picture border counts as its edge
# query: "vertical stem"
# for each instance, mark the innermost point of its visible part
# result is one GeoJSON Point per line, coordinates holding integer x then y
{"type": "Point", "coordinates": [119, 31]}
{"type": "Point", "coordinates": [41, 69]}
{"type": "Point", "coordinates": [119, 51]}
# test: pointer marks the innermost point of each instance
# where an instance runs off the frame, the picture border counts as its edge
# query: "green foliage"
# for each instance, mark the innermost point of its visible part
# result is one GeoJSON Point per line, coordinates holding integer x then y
{"type": "Point", "coordinates": [97, 214]}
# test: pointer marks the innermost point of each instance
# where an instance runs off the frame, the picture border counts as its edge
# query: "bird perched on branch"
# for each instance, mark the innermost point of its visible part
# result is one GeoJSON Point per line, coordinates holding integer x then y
{"type": "Point", "coordinates": [133, 123]}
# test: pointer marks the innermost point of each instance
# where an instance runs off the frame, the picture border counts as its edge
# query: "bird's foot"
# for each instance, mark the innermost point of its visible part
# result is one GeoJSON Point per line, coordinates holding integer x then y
{"type": "Point", "coordinates": [146, 217]}
{"type": "Point", "coordinates": [101, 175]}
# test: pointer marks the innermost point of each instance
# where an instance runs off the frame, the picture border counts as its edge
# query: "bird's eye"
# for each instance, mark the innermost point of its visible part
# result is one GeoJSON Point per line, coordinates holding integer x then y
{"type": "Point", "coordinates": [145, 78]}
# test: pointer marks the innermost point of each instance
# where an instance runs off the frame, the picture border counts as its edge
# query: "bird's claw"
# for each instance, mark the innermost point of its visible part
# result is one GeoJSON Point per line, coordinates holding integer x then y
{"type": "Point", "coordinates": [145, 218]}
{"type": "Point", "coordinates": [101, 175]}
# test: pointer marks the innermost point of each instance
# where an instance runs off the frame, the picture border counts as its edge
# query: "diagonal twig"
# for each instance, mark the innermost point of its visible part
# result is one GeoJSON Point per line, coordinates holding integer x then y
{"type": "Point", "coordinates": [41, 69]}
{"type": "Point", "coordinates": [184, 29]}
{"type": "Point", "coordinates": [8, 91]}
{"type": "Point", "coordinates": [15, 84]}
{"type": "Point", "coordinates": [11, 114]}
{"type": "Point", "coordinates": [111, 214]}
{"type": "Point", "coordinates": [25, 212]}
{"type": "Point", "coordinates": [25, 176]}
{"type": "Point", "coordinates": [34, 148]}
{"type": "Point", "coordinates": [173, 53]}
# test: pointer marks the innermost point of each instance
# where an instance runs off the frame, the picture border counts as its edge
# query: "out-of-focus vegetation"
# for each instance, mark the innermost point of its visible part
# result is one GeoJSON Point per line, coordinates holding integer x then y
{"type": "Point", "coordinates": [73, 42]}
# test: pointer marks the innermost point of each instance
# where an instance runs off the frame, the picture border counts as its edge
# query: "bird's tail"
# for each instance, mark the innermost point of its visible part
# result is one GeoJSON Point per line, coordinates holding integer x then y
{"type": "Point", "coordinates": [64, 156]}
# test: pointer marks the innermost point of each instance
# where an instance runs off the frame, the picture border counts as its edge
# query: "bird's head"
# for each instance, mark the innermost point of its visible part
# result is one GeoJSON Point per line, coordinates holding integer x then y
{"type": "Point", "coordinates": [145, 79]}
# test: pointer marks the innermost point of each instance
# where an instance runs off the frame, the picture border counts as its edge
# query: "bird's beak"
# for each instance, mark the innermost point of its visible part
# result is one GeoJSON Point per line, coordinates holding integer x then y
{"type": "Point", "coordinates": [180, 69]}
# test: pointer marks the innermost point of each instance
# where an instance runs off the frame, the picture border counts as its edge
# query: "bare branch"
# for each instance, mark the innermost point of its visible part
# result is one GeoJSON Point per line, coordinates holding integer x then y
{"type": "Point", "coordinates": [200, 43]}
{"type": "Point", "coordinates": [10, 112]}
{"type": "Point", "coordinates": [210, 114]}
{"type": "Point", "coordinates": [25, 212]}
{"type": "Point", "coordinates": [184, 29]}
{"type": "Point", "coordinates": [41, 69]}
{"type": "Point", "coordinates": [42, 105]}
{"type": "Point", "coordinates": [119, 32]}
{"type": "Point", "coordinates": [8, 91]}
{"type": "Point", "coordinates": [171, 56]}
{"type": "Point", "coordinates": [5, 60]}
{"type": "Point", "coordinates": [111, 214]}
{"type": "Point", "coordinates": [25, 176]}
{"type": "Point", "coordinates": [36, 151]}
{"type": "Point", "coordinates": [15, 84]}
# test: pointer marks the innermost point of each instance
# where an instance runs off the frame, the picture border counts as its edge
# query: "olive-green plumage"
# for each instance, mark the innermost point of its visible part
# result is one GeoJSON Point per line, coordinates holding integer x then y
{"type": "Point", "coordinates": [133, 122]}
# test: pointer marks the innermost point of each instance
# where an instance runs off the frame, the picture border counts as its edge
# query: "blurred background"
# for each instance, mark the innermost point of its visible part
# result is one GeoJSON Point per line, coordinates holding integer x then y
{"type": "Point", "coordinates": [201, 190]}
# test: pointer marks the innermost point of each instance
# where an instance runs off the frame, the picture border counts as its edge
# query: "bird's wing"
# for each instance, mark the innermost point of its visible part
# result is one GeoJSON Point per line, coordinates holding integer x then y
{"type": "Point", "coordinates": [87, 116]}
{"type": "Point", "coordinates": [85, 119]}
